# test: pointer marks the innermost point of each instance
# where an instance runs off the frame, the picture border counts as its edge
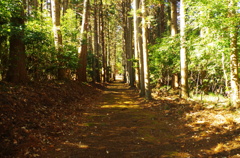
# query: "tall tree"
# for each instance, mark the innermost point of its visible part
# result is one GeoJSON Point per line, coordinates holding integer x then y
{"type": "Point", "coordinates": [82, 50]}
{"type": "Point", "coordinates": [183, 53]}
{"type": "Point", "coordinates": [102, 39]}
{"type": "Point", "coordinates": [145, 53]}
{"type": "Point", "coordinates": [174, 31]}
{"type": "Point", "coordinates": [65, 4]}
{"type": "Point", "coordinates": [55, 5]}
{"type": "Point", "coordinates": [127, 45]}
{"type": "Point", "coordinates": [233, 30]}
{"type": "Point", "coordinates": [96, 74]}
{"type": "Point", "coordinates": [136, 41]}
{"type": "Point", "coordinates": [17, 69]}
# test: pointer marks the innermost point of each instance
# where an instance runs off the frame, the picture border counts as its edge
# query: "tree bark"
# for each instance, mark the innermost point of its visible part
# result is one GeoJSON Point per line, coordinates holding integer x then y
{"type": "Point", "coordinates": [183, 53]}
{"type": "Point", "coordinates": [17, 69]}
{"type": "Point", "coordinates": [102, 28]}
{"type": "Point", "coordinates": [62, 71]}
{"type": "Point", "coordinates": [174, 29]}
{"type": "Point", "coordinates": [96, 75]}
{"type": "Point", "coordinates": [64, 6]}
{"type": "Point", "coordinates": [136, 42]}
{"type": "Point", "coordinates": [174, 32]}
{"type": "Point", "coordinates": [145, 54]}
{"type": "Point", "coordinates": [128, 52]}
{"type": "Point", "coordinates": [82, 50]}
{"type": "Point", "coordinates": [234, 56]}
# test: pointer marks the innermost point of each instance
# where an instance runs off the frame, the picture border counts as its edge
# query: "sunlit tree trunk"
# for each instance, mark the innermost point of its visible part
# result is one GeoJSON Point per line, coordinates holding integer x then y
{"type": "Point", "coordinates": [145, 53]}
{"type": "Point", "coordinates": [141, 65]}
{"type": "Point", "coordinates": [183, 53]}
{"type": "Point", "coordinates": [174, 31]}
{"type": "Point", "coordinates": [82, 50]}
{"type": "Point", "coordinates": [62, 71]}
{"type": "Point", "coordinates": [136, 41]}
{"type": "Point", "coordinates": [233, 30]}
{"type": "Point", "coordinates": [17, 69]}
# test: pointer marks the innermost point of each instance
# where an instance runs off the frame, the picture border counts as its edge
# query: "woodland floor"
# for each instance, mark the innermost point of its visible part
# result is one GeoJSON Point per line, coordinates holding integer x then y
{"type": "Point", "coordinates": [68, 120]}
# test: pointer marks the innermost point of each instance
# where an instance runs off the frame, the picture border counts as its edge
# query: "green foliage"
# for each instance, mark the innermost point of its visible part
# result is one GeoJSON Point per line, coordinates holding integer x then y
{"type": "Point", "coordinates": [208, 46]}
{"type": "Point", "coordinates": [164, 56]}
{"type": "Point", "coordinates": [42, 58]}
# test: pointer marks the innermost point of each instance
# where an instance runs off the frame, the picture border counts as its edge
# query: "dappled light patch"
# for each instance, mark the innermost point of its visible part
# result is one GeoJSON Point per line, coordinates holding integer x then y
{"type": "Point", "coordinates": [177, 154]}
{"type": "Point", "coordinates": [123, 125]}
{"type": "Point", "coordinates": [121, 106]}
{"type": "Point", "coordinates": [78, 145]}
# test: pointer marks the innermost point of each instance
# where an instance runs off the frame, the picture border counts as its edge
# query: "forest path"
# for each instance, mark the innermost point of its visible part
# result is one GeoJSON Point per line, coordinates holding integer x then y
{"type": "Point", "coordinates": [123, 125]}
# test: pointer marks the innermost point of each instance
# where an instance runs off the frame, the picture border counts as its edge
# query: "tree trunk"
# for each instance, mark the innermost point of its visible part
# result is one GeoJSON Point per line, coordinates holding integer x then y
{"type": "Point", "coordinates": [104, 61]}
{"type": "Point", "coordinates": [64, 6]}
{"type": "Point", "coordinates": [183, 53]}
{"type": "Point", "coordinates": [128, 52]}
{"type": "Point", "coordinates": [174, 32]}
{"type": "Point", "coordinates": [136, 42]}
{"type": "Point", "coordinates": [82, 50]}
{"type": "Point", "coordinates": [234, 56]}
{"type": "Point", "coordinates": [62, 71]}
{"type": "Point", "coordinates": [173, 17]}
{"type": "Point", "coordinates": [145, 53]}
{"type": "Point", "coordinates": [95, 47]}
{"type": "Point", "coordinates": [17, 69]}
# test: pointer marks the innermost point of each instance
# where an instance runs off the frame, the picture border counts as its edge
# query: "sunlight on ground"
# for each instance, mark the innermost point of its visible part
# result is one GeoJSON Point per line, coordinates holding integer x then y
{"type": "Point", "coordinates": [131, 106]}
{"type": "Point", "coordinates": [177, 154]}
{"type": "Point", "coordinates": [78, 145]}
{"type": "Point", "coordinates": [211, 100]}
{"type": "Point", "coordinates": [225, 147]}
{"type": "Point", "coordinates": [214, 118]}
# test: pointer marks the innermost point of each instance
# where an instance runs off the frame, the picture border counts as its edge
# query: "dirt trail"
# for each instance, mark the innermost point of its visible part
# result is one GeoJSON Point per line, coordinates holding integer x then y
{"type": "Point", "coordinates": [124, 125]}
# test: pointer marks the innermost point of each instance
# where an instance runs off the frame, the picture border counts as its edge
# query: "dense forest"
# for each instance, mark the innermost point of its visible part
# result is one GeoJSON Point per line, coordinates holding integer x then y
{"type": "Point", "coordinates": [190, 45]}
{"type": "Point", "coordinates": [119, 78]}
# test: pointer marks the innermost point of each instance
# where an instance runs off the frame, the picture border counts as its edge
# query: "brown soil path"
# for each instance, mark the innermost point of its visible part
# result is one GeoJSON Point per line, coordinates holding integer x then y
{"type": "Point", "coordinates": [125, 126]}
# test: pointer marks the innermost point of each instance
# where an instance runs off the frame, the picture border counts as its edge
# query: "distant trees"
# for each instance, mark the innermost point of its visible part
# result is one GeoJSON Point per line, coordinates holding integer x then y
{"type": "Point", "coordinates": [209, 40]}
{"type": "Point", "coordinates": [184, 44]}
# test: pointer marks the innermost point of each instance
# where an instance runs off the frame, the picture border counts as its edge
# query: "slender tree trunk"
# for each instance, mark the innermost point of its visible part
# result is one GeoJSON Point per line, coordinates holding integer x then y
{"type": "Point", "coordinates": [174, 29]}
{"type": "Point", "coordinates": [136, 42]}
{"type": "Point", "coordinates": [174, 32]}
{"type": "Point", "coordinates": [225, 72]}
{"type": "Point", "coordinates": [62, 71]}
{"type": "Point", "coordinates": [17, 69]}
{"type": "Point", "coordinates": [82, 50]}
{"type": "Point", "coordinates": [183, 53]}
{"type": "Point", "coordinates": [145, 53]}
{"type": "Point", "coordinates": [128, 52]}
{"type": "Point", "coordinates": [64, 6]}
{"type": "Point", "coordinates": [96, 44]}
{"type": "Point", "coordinates": [102, 28]}
{"type": "Point", "coordinates": [141, 65]}
{"type": "Point", "coordinates": [234, 56]}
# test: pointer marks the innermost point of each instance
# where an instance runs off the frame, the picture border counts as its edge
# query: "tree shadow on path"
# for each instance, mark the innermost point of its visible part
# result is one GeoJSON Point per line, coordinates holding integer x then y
{"type": "Point", "coordinates": [125, 125]}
